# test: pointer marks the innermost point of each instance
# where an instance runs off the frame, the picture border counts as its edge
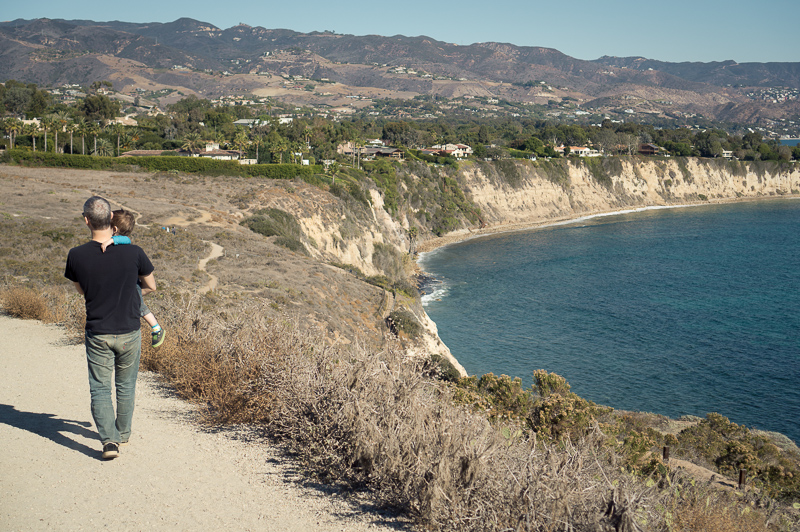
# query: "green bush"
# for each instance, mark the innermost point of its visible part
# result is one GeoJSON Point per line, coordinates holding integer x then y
{"type": "Point", "coordinates": [163, 164]}
{"type": "Point", "coordinates": [557, 412]}
{"type": "Point", "coordinates": [386, 259]}
{"type": "Point", "coordinates": [405, 321]}
{"type": "Point", "coordinates": [602, 168]}
{"type": "Point", "coordinates": [500, 398]}
{"type": "Point", "coordinates": [444, 369]}
{"type": "Point", "coordinates": [275, 222]}
{"type": "Point", "coordinates": [292, 244]}
{"type": "Point", "coordinates": [728, 447]}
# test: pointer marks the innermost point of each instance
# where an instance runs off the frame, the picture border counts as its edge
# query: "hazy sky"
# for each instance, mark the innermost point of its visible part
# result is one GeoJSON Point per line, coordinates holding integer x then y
{"type": "Point", "coordinates": [676, 30]}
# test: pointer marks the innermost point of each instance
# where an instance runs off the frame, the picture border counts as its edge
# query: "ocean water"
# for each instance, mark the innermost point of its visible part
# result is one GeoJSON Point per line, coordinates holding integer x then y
{"type": "Point", "coordinates": [676, 311]}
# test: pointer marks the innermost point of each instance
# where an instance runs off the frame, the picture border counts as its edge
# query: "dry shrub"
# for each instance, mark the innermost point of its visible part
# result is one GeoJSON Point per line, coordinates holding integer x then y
{"type": "Point", "coordinates": [26, 303]}
{"type": "Point", "coordinates": [700, 509]}
{"type": "Point", "coordinates": [372, 419]}
{"type": "Point", "coordinates": [211, 363]}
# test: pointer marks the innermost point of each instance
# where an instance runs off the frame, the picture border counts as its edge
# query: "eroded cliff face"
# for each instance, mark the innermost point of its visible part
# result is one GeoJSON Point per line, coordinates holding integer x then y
{"type": "Point", "coordinates": [515, 194]}
{"type": "Point", "coordinates": [538, 193]}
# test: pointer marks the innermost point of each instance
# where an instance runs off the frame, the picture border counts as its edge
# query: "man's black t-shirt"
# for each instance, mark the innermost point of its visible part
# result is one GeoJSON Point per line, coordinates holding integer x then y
{"type": "Point", "coordinates": [108, 281]}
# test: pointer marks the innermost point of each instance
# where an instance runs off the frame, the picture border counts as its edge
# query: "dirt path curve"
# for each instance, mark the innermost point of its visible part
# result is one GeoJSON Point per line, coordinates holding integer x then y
{"type": "Point", "coordinates": [172, 476]}
{"type": "Point", "coordinates": [216, 252]}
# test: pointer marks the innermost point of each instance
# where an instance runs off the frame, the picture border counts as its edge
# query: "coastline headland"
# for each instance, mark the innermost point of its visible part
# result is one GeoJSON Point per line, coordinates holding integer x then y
{"type": "Point", "coordinates": [524, 195]}
{"type": "Point", "coordinates": [535, 199]}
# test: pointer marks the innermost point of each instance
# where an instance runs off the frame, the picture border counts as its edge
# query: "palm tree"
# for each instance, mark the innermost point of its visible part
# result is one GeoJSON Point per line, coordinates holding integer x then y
{"type": "Point", "coordinates": [219, 138]}
{"type": "Point", "coordinates": [48, 122]}
{"type": "Point", "coordinates": [60, 120]}
{"type": "Point", "coordinates": [71, 127]}
{"type": "Point", "coordinates": [82, 129]}
{"type": "Point", "coordinates": [13, 126]}
{"type": "Point", "coordinates": [241, 141]}
{"type": "Point", "coordinates": [277, 145]}
{"type": "Point", "coordinates": [358, 145]}
{"type": "Point", "coordinates": [103, 148]}
{"type": "Point", "coordinates": [333, 168]}
{"type": "Point", "coordinates": [117, 129]}
{"type": "Point", "coordinates": [130, 138]}
{"type": "Point", "coordinates": [258, 140]}
{"type": "Point", "coordinates": [192, 142]}
{"type": "Point", "coordinates": [32, 129]}
{"type": "Point", "coordinates": [94, 130]}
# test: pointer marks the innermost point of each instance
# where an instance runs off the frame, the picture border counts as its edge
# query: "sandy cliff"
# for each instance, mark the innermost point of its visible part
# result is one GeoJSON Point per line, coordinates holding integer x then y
{"type": "Point", "coordinates": [537, 193]}
{"type": "Point", "coordinates": [520, 194]}
{"type": "Point", "coordinates": [542, 192]}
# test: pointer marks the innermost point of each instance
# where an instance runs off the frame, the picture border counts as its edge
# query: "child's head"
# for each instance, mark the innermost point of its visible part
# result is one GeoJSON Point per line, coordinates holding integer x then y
{"type": "Point", "coordinates": [123, 222]}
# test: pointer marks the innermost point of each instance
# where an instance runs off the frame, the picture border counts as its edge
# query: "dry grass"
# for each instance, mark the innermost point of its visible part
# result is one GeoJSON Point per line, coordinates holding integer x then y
{"type": "Point", "coordinates": [361, 416]}
{"type": "Point", "coordinates": [26, 303]}
{"type": "Point", "coordinates": [51, 305]}
{"type": "Point", "coordinates": [368, 419]}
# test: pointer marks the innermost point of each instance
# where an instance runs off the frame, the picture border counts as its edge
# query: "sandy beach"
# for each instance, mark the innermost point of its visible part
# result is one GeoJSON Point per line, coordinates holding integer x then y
{"type": "Point", "coordinates": [468, 234]}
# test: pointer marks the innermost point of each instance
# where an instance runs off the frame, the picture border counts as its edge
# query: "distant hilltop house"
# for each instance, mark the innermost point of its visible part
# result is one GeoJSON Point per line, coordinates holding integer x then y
{"type": "Point", "coordinates": [649, 149]}
{"type": "Point", "coordinates": [248, 122]}
{"type": "Point", "coordinates": [124, 120]}
{"type": "Point", "coordinates": [371, 149]}
{"type": "Point", "coordinates": [211, 151]}
{"type": "Point", "coordinates": [458, 151]}
{"type": "Point", "coordinates": [580, 151]}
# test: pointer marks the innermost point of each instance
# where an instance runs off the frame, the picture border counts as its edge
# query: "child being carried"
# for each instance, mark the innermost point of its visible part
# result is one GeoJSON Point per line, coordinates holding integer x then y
{"type": "Point", "coordinates": [122, 223]}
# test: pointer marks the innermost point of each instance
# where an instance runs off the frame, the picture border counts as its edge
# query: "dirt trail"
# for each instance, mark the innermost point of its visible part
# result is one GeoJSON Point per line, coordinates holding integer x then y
{"type": "Point", "coordinates": [216, 252]}
{"type": "Point", "coordinates": [173, 476]}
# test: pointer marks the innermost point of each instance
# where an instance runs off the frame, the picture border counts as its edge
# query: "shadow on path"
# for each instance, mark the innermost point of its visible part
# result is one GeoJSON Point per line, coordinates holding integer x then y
{"type": "Point", "coordinates": [50, 427]}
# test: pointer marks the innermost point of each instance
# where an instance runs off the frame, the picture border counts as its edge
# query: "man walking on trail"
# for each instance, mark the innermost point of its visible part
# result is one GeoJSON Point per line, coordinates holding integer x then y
{"type": "Point", "coordinates": [113, 332]}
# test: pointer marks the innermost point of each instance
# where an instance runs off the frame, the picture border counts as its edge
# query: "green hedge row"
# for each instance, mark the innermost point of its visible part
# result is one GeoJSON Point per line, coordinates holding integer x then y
{"type": "Point", "coordinates": [161, 164]}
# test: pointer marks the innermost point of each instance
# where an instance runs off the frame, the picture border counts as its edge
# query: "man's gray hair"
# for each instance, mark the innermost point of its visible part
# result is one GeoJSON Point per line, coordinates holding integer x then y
{"type": "Point", "coordinates": [98, 211]}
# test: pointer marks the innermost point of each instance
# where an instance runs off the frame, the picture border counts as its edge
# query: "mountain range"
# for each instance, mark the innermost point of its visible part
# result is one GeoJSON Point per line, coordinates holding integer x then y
{"type": "Point", "coordinates": [194, 57]}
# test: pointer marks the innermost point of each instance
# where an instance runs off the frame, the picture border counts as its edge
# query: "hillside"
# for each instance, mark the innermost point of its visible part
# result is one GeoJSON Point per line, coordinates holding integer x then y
{"type": "Point", "coordinates": [304, 331]}
{"type": "Point", "coordinates": [212, 62]}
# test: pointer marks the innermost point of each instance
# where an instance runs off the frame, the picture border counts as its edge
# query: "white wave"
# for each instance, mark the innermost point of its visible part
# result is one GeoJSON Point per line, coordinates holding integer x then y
{"type": "Point", "coordinates": [438, 293]}
{"type": "Point", "coordinates": [616, 213]}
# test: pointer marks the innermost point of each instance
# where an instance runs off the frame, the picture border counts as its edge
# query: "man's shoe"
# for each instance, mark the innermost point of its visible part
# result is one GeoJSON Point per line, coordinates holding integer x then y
{"type": "Point", "coordinates": [110, 451]}
{"type": "Point", "coordinates": [158, 338]}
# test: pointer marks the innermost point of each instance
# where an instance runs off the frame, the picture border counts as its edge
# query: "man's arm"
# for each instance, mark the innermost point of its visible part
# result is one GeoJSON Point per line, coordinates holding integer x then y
{"type": "Point", "coordinates": [78, 287]}
{"type": "Point", "coordinates": [148, 283]}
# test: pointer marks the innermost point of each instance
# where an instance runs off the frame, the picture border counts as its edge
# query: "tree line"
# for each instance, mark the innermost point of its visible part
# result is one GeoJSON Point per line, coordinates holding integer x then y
{"type": "Point", "coordinates": [87, 127]}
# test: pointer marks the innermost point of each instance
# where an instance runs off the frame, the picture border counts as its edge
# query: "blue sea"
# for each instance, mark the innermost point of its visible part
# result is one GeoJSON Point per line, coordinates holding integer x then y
{"type": "Point", "coordinates": [675, 311]}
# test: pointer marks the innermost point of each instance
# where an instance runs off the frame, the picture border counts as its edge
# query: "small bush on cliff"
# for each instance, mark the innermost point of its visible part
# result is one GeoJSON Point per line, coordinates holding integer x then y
{"type": "Point", "coordinates": [350, 190]}
{"type": "Point", "coordinates": [555, 171]}
{"type": "Point", "coordinates": [603, 168]}
{"type": "Point", "coordinates": [500, 398]}
{"type": "Point", "coordinates": [275, 222]}
{"type": "Point", "coordinates": [558, 412]}
{"type": "Point", "coordinates": [405, 321]}
{"type": "Point", "coordinates": [386, 259]}
{"type": "Point", "coordinates": [443, 369]}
